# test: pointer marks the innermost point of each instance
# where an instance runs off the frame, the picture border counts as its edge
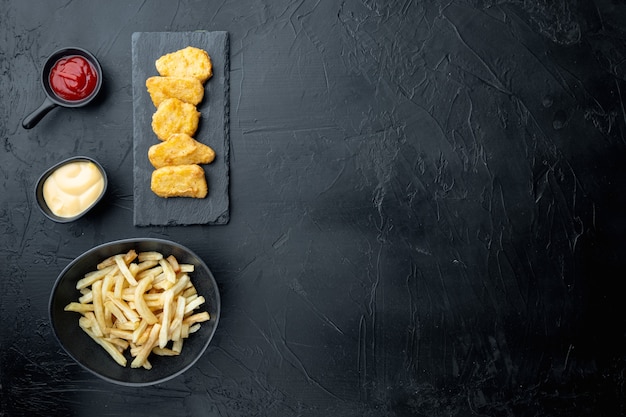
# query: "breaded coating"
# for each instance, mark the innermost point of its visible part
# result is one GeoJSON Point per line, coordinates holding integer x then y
{"type": "Point", "coordinates": [187, 89]}
{"type": "Point", "coordinates": [187, 62]}
{"type": "Point", "coordinates": [180, 149]}
{"type": "Point", "coordinates": [179, 181]}
{"type": "Point", "coordinates": [175, 116]}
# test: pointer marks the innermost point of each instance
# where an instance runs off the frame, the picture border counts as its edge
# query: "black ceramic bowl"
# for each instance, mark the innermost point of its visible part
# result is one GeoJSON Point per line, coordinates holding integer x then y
{"type": "Point", "coordinates": [91, 356]}
{"type": "Point", "coordinates": [41, 202]}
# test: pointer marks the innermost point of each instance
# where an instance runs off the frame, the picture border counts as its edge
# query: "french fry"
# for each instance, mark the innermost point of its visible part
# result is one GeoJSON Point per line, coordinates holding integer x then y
{"type": "Point", "coordinates": [190, 292]}
{"type": "Point", "coordinates": [193, 304]}
{"type": "Point", "coordinates": [164, 351]}
{"type": "Point", "coordinates": [121, 334]}
{"type": "Point", "coordinates": [84, 322]}
{"type": "Point", "coordinates": [165, 320]}
{"type": "Point", "coordinates": [107, 282]}
{"type": "Point", "coordinates": [120, 343]}
{"type": "Point", "coordinates": [149, 256]}
{"type": "Point", "coordinates": [143, 266]}
{"type": "Point", "coordinates": [143, 338]}
{"type": "Point", "coordinates": [140, 303]}
{"type": "Point", "coordinates": [197, 318]}
{"type": "Point", "coordinates": [128, 258]}
{"type": "Point", "coordinates": [86, 298]}
{"type": "Point", "coordinates": [173, 262]}
{"type": "Point", "coordinates": [92, 277]}
{"type": "Point", "coordinates": [78, 307]}
{"type": "Point", "coordinates": [109, 347]}
{"type": "Point", "coordinates": [177, 321]}
{"type": "Point", "coordinates": [147, 347]}
{"type": "Point", "coordinates": [119, 261]}
{"type": "Point", "coordinates": [129, 325]}
{"type": "Point", "coordinates": [177, 346]}
{"type": "Point", "coordinates": [108, 317]}
{"type": "Point", "coordinates": [118, 288]}
{"type": "Point", "coordinates": [156, 304]}
{"type": "Point", "coordinates": [98, 307]}
{"type": "Point", "coordinates": [140, 330]}
{"type": "Point", "coordinates": [170, 275]}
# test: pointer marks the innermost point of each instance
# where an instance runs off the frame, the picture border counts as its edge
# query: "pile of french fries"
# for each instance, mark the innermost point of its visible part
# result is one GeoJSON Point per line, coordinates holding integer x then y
{"type": "Point", "coordinates": [141, 302]}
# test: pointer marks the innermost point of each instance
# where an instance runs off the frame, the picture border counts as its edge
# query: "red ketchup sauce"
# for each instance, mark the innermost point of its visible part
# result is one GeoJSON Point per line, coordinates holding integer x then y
{"type": "Point", "coordinates": [73, 78]}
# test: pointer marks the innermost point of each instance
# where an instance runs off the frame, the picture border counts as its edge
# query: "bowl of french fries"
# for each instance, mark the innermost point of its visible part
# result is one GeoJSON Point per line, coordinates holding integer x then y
{"type": "Point", "coordinates": [135, 312]}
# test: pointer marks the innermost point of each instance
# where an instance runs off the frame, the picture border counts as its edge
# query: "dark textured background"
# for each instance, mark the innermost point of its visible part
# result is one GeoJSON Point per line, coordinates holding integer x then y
{"type": "Point", "coordinates": [426, 214]}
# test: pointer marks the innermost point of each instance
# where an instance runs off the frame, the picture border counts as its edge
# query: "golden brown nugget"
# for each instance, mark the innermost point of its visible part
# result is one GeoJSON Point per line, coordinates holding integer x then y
{"type": "Point", "coordinates": [180, 149]}
{"type": "Point", "coordinates": [187, 62]}
{"type": "Point", "coordinates": [179, 181]}
{"type": "Point", "coordinates": [187, 89]}
{"type": "Point", "coordinates": [175, 116]}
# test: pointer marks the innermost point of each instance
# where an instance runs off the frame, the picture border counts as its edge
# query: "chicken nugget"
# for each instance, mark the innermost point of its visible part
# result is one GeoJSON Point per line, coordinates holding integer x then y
{"type": "Point", "coordinates": [179, 181]}
{"type": "Point", "coordinates": [187, 62]}
{"type": "Point", "coordinates": [175, 116]}
{"type": "Point", "coordinates": [187, 89]}
{"type": "Point", "coordinates": [180, 149]}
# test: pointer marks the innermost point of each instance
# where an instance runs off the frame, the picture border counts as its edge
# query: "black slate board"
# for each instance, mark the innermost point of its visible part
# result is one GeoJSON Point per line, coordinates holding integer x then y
{"type": "Point", "coordinates": [213, 130]}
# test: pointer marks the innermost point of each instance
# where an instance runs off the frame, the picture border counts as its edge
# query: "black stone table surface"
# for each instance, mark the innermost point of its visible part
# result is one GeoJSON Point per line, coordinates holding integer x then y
{"type": "Point", "coordinates": [426, 207]}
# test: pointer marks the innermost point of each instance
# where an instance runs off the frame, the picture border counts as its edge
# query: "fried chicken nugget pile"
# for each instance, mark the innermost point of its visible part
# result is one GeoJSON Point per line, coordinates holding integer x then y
{"type": "Point", "coordinates": [175, 93]}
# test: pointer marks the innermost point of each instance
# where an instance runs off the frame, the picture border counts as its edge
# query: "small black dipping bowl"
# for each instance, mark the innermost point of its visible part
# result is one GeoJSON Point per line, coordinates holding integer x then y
{"type": "Point", "coordinates": [87, 353]}
{"type": "Point", "coordinates": [52, 100]}
{"type": "Point", "coordinates": [41, 202]}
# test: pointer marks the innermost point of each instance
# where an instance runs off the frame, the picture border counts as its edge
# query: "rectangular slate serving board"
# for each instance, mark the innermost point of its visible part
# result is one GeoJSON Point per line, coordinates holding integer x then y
{"type": "Point", "coordinates": [213, 130]}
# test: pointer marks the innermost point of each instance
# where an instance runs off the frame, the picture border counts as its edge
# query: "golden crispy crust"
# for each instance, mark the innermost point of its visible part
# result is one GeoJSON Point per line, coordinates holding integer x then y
{"type": "Point", "coordinates": [180, 149]}
{"type": "Point", "coordinates": [179, 181]}
{"type": "Point", "coordinates": [187, 89]}
{"type": "Point", "coordinates": [187, 62]}
{"type": "Point", "coordinates": [175, 116]}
